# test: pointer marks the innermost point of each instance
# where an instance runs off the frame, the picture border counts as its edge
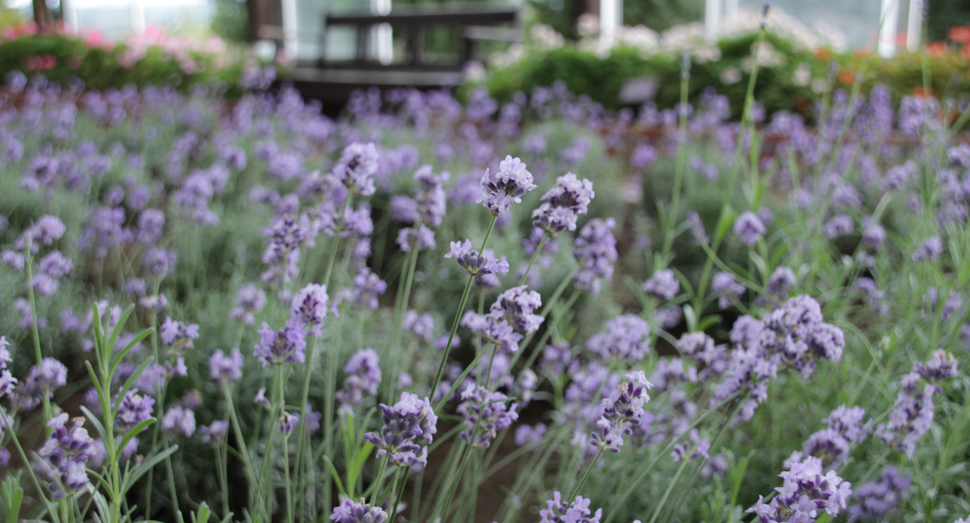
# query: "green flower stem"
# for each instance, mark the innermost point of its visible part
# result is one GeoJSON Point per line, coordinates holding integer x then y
{"type": "Point", "coordinates": [173, 492]}
{"type": "Point", "coordinates": [301, 428]}
{"type": "Point", "coordinates": [332, 255]}
{"type": "Point", "coordinates": [149, 483]}
{"type": "Point", "coordinates": [378, 500]}
{"type": "Point", "coordinates": [404, 296]}
{"type": "Point", "coordinates": [243, 449]}
{"type": "Point", "coordinates": [582, 482]}
{"type": "Point", "coordinates": [441, 405]}
{"type": "Point", "coordinates": [402, 475]}
{"type": "Point", "coordinates": [681, 166]}
{"type": "Point", "coordinates": [544, 313]}
{"type": "Point", "coordinates": [732, 176]}
{"type": "Point", "coordinates": [461, 309]}
{"type": "Point", "coordinates": [223, 481]}
{"type": "Point", "coordinates": [534, 258]}
{"type": "Point", "coordinates": [34, 331]}
{"type": "Point", "coordinates": [286, 478]}
{"type": "Point", "coordinates": [670, 487]}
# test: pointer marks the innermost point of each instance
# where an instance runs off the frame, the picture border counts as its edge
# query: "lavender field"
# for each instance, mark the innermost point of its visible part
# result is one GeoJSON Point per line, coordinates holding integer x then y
{"type": "Point", "coordinates": [433, 310]}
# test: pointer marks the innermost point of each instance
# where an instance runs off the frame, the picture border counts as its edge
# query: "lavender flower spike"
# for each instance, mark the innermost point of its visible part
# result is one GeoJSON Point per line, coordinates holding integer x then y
{"type": "Point", "coordinates": [806, 491]}
{"type": "Point", "coordinates": [577, 511]}
{"type": "Point", "coordinates": [476, 264]}
{"type": "Point", "coordinates": [280, 347]}
{"type": "Point", "coordinates": [505, 186]}
{"type": "Point", "coordinates": [563, 204]}
{"type": "Point", "coordinates": [356, 168]}
{"type": "Point", "coordinates": [309, 308]}
{"type": "Point", "coordinates": [350, 511]}
{"type": "Point", "coordinates": [409, 427]}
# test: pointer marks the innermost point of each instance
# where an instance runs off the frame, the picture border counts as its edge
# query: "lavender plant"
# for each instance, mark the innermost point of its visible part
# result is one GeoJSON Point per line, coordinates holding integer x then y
{"type": "Point", "coordinates": [305, 319]}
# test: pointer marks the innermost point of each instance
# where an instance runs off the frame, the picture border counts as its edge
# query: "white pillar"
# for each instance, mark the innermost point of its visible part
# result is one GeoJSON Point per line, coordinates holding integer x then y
{"type": "Point", "coordinates": [914, 25]}
{"type": "Point", "coordinates": [610, 15]}
{"type": "Point", "coordinates": [712, 18]}
{"type": "Point", "coordinates": [382, 35]}
{"type": "Point", "coordinates": [730, 12]}
{"type": "Point", "coordinates": [69, 9]}
{"type": "Point", "coordinates": [888, 22]}
{"type": "Point", "coordinates": [290, 41]}
{"type": "Point", "coordinates": [136, 12]}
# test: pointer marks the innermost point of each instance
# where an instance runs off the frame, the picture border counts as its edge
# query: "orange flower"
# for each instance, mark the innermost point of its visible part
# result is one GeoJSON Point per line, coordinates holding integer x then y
{"type": "Point", "coordinates": [847, 77]}
{"type": "Point", "coordinates": [823, 54]}
{"type": "Point", "coordinates": [960, 34]}
{"type": "Point", "coordinates": [936, 49]}
{"type": "Point", "coordinates": [919, 92]}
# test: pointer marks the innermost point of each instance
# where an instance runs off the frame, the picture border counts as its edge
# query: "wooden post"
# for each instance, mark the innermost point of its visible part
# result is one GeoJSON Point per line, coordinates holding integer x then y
{"type": "Point", "coordinates": [42, 16]}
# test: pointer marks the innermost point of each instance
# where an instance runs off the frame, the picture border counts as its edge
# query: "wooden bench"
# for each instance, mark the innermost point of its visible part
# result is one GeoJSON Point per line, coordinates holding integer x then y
{"type": "Point", "coordinates": [474, 24]}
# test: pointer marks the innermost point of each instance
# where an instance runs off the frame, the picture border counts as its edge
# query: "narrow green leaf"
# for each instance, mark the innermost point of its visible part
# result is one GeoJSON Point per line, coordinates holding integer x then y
{"type": "Point", "coordinates": [136, 430]}
{"type": "Point", "coordinates": [144, 467]}
{"type": "Point", "coordinates": [96, 422]}
{"type": "Point", "coordinates": [336, 477]}
{"type": "Point", "coordinates": [117, 330]}
{"type": "Point", "coordinates": [117, 360]}
{"type": "Point", "coordinates": [130, 384]}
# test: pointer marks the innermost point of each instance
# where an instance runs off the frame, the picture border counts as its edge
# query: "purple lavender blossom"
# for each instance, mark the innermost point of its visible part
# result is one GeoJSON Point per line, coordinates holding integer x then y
{"type": "Point", "coordinates": [595, 253]}
{"type": "Point", "coordinates": [577, 511]}
{"type": "Point", "coordinates": [214, 433]}
{"type": "Point", "coordinates": [622, 409]}
{"type": "Point", "coordinates": [749, 227]}
{"type": "Point", "coordinates": [43, 232]}
{"type": "Point", "coordinates": [179, 420]}
{"type": "Point", "coordinates": [309, 308]}
{"type": "Point", "coordinates": [696, 227]}
{"type": "Point", "coordinates": [420, 326]}
{"type": "Point", "coordinates": [250, 300]}
{"type": "Point", "coordinates": [178, 335]}
{"type": "Point", "coordinates": [418, 237]}
{"type": "Point", "coordinates": [838, 225]}
{"type": "Point", "coordinates": [531, 436]}
{"type": "Point", "coordinates": [485, 413]}
{"type": "Point", "coordinates": [226, 369]}
{"type": "Point", "coordinates": [662, 285]}
{"type": "Point", "coordinates": [356, 168]}
{"type": "Point", "coordinates": [65, 454]}
{"type": "Point", "coordinates": [367, 286]}
{"type": "Point", "coordinates": [133, 410]}
{"type": "Point", "coordinates": [913, 413]}
{"type": "Point", "coordinates": [280, 347]}
{"type": "Point", "coordinates": [876, 500]}
{"type": "Point", "coordinates": [409, 427]}
{"type": "Point", "coordinates": [476, 264]}
{"type": "Point", "coordinates": [363, 377]}
{"type": "Point", "coordinates": [728, 290]}
{"type": "Point", "coordinates": [42, 381]}
{"type": "Point", "coordinates": [350, 511]}
{"type": "Point", "coordinates": [873, 234]}
{"type": "Point", "coordinates": [505, 186]}
{"type": "Point", "coordinates": [931, 249]}
{"type": "Point", "coordinates": [563, 204]}
{"type": "Point", "coordinates": [806, 491]}
{"type": "Point", "coordinates": [288, 422]}
{"type": "Point", "coordinates": [626, 337]}
{"type": "Point", "coordinates": [781, 280]}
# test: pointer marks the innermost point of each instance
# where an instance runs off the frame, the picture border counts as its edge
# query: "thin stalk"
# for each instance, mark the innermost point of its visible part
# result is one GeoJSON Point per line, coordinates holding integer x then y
{"type": "Point", "coordinates": [286, 478]}
{"type": "Point", "coordinates": [535, 257]}
{"type": "Point", "coordinates": [732, 176]}
{"type": "Point", "coordinates": [461, 309]}
{"type": "Point", "coordinates": [377, 499]}
{"type": "Point", "coordinates": [333, 251]}
{"type": "Point", "coordinates": [670, 487]}
{"type": "Point", "coordinates": [681, 165]}
{"type": "Point", "coordinates": [301, 428]}
{"type": "Point", "coordinates": [243, 450]}
{"type": "Point", "coordinates": [8, 422]}
{"type": "Point", "coordinates": [153, 322]}
{"type": "Point", "coordinates": [397, 498]}
{"type": "Point", "coordinates": [223, 483]}
{"type": "Point", "coordinates": [173, 492]}
{"type": "Point", "coordinates": [582, 482]}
